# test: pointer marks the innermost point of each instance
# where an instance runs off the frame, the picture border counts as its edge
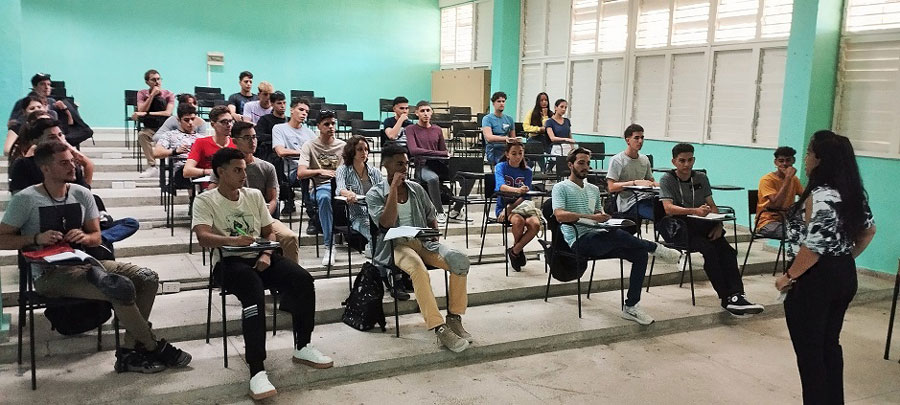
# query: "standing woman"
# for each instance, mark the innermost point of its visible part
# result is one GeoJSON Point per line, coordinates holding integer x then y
{"type": "Point", "coordinates": [559, 130]}
{"type": "Point", "coordinates": [533, 124]}
{"type": "Point", "coordinates": [512, 176]}
{"type": "Point", "coordinates": [354, 178]}
{"type": "Point", "coordinates": [827, 229]}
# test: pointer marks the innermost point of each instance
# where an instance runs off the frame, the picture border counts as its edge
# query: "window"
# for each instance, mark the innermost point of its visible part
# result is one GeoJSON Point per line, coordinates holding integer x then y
{"type": "Point", "coordinates": [584, 27]}
{"type": "Point", "coordinates": [690, 22]}
{"type": "Point", "coordinates": [467, 34]}
{"type": "Point", "coordinates": [776, 20]}
{"type": "Point", "coordinates": [869, 15]}
{"type": "Point", "coordinates": [613, 32]}
{"type": "Point", "coordinates": [736, 20]}
{"type": "Point", "coordinates": [653, 24]}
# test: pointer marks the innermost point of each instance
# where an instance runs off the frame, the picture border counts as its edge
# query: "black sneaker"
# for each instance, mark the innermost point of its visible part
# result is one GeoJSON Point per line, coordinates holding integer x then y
{"type": "Point", "coordinates": [400, 296]}
{"type": "Point", "coordinates": [289, 209]}
{"type": "Point", "coordinates": [738, 306]}
{"type": "Point", "coordinates": [312, 227]}
{"type": "Point", "coordinates": [514, 260]}
{"type": "Point", "coordinates": [170, 355]}
{"type": "Point", "coordinates": [129, 360]}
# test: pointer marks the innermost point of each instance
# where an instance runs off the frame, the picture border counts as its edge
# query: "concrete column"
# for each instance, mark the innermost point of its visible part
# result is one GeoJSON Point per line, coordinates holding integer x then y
{"type": "Point", "coordinates": [505, 52]}
{"type": "Point", "coordinates": [811, 71]}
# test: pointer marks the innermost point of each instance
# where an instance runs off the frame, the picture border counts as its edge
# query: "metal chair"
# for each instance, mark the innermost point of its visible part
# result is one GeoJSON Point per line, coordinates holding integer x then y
{"type": "Point", "coordinates": [341, 224]}
{"type": "Point", "coordinates": [887, 345]}
{"type": "Point", "coordinates": [131, 101]}
{"type": "Point", "coordinates": [659, 214]}
{"type": "Point", "coordinates": [752, 202]}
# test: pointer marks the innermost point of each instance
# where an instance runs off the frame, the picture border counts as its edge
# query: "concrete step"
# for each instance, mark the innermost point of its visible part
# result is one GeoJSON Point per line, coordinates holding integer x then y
{"type": "Point", "coordinates": [487, 285]}
{"type": "Point", "coordinates": [500, 331]}
{"type": "Point", "coordinates": [122, 164]}
{"type": "Point", "coordinates": [120, 197]}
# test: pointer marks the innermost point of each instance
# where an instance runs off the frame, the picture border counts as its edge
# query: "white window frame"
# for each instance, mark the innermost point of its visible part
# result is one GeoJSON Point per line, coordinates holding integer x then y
{"type": "Point", "coordinates": [473, 64]}
{"type": "Point", "coordinates": [630, 55]}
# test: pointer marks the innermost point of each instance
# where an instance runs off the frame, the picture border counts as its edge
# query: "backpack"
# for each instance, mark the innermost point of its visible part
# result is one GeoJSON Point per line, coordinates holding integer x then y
{"type": "Point", "coordinates": [363, 308]}
{"type": "Point", "coordinates": [80, 317]}
{"type": "Point", "coordinates": [562, 267]}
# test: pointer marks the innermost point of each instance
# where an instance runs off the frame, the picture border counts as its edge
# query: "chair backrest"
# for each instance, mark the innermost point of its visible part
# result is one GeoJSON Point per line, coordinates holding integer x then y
{"type": "Point", "coordinates": [302, 94]}
{"type": "Point", "coordinates": [209, 96]}
{"type": "Point", "coordinates": [597, 149]}
{"type": "Point", "coordinates": [204, 89]}
{"type": "Point", "coordinates": [315, 100]}
{"type": "Point", "coordinates": [442, 118]}
{"type": "Point", "coordinates": [345, 116]}
{"type": "Point", "coordinates": [464, 164]}
{"type": "Point", "coordinates": [334, 107]}
{"type": "Point", "coordinates": [385, 105]}
{"type": "Point", "coordinates": [534, 148]}
{"type": "Point", "coordinates": [460, 110]}
{"type": "Point", "coordinates": [357, 124]}
{"type": "Point", "coordinates": [58, 92]}
{"type": "Point", "coordinates": [457, 127]}
{"type": "Point", "coordinates": [131, 97]}
{"type": "Point", "coordinates": [752, 202]}
{"type": "Point", "coordinates": [58, 84]}
{"type": "Point", "coordinates": [520, 129]}
{"type": "Point", "coordinates": [650, 157]}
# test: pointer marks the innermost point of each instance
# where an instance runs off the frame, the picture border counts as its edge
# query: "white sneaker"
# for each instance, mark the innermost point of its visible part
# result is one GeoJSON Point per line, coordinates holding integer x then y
{"type": "Point", "coordinates": [312, 357]}
{"type": "Point", "coordinates": [150, 173]}
{"type": "Point", "coordinates": [260, 387]}
{"type": "Point", "coordinates": [328, 257]}
{"type": "Point", "coordinates": [666, 254]}
{"type": "Point", "coordinates": [636, 314]}
{"type": "Point", "coordinates": [442, 218]}
{"type": "Point", "coordinates": [457, 217]}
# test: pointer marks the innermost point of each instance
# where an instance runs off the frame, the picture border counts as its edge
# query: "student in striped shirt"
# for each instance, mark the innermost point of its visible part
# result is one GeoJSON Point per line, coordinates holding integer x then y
{"type": "Point", "coordinates": [574, 199]}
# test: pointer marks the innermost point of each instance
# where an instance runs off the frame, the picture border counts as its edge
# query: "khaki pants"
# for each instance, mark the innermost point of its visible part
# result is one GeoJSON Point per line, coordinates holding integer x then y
{"type": "Point", "coordinates": [290, 245]}
{"type": "Point", "coordinates": [145, 139]}
{"type": "Point", "coordinates": [71, 281]}
{"type": "Point", "coordinates": [411, 257]}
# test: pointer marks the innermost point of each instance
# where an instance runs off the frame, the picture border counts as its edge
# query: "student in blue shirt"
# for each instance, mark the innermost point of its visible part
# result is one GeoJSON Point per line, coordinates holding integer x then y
{"type": "Point", "coordinates": [496, 128]}
{"type": "Point", "coordinates": [512, 176]}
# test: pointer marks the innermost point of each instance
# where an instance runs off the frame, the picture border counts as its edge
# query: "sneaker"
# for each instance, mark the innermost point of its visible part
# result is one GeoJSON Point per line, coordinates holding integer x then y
{"type": "Point", "coordinates": [401, 294]}
{"type": "Point", "coordinates": [514, 259]}
{"type": "Point", "coordinates": [442, 218]}
{"type": "Point", "coordinates": [455, 323]}
{"type": "Point", "coordinates": [739, 303]}
{"type": "Point", "coordinates": [455, 216]}
{"type": "Point", "coordinates": [260, 387]}
{"type": "Point", "coordinates": [170, 355]}
{"type": "Point", "coordinates": [635, 313]}
{"type": "Point", "coordinates": [313, 227]}
{"type": "Point", "coordinates": [328, 256]}
{"type": "Point", "coordinates": [150, 172]}
{"type": "Point", "coordinates": [450, 339]}
{"type": "Point", "coordinates": [666, 254]}
{"type": "Point", "coordinates": [138, 361]}
{"type": "Point", "coordinates": [289, 208]}
{"type": "Point", "coordinates": [312, 357]}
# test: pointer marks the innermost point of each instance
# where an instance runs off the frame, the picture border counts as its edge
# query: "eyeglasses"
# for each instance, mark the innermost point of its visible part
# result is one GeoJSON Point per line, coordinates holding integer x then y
{"type": "Point", "coordinates": [326, 112]}
{"type": "Point", "coordinates": [226, 122]}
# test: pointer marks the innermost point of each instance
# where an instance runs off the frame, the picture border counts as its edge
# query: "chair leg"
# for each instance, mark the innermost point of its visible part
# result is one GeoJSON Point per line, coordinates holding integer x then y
{"type": "Point", "coordinates": [622, 283]}
{"type": "Point", "coordinates": [224, 331]}
{"type": "Point", "coordinates": [447, 291]}
{"type": "Point", "coordinates": [650, 277]}
{"type": "Point", "coordinates": [683, 268]}
{"type": "Point", "coordinates": [777, 256]}
{"type": "Point", "coordinates": [747, 256]}
{"type": "Point", "coordinates": [691, 273]}
{"type": "Point", "coordinates": [99, 338]}
{"type": "Point", "coordinates": [591, 280]}
{"type": "Point", "coordinates": [579, 298]}
{"type": "Point", "coordinates": [506, 247]}
{"type": "Point", "coordinates": [209, 310]}
{"type": "Point", "coordinates": [31, 346]}
{"type": "Point", "coordinates": [22, 322]}
{"type": "Point", "coordinates": [483, 234]}
{"type": "Point", "coordinates": [274, 312]}
{"type": "Point", "coordinates": [466, 223]}
{"type": "Point", "coordinates": [396, 306]}
{"type": "Point", "coordinates": [349, 270]}
{"type": "Point", "coordinates": [116, 329]}
{"type": "Point", "coordinates": [547, 290]}
{"type": "Point", "coordinates": [887, 345]}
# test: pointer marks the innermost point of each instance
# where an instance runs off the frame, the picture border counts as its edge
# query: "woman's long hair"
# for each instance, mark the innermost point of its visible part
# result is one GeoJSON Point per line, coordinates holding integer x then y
{"type": "Point", "coordinates": [537, 112]}
{"type": "Point", "coordinates": [837, 169]}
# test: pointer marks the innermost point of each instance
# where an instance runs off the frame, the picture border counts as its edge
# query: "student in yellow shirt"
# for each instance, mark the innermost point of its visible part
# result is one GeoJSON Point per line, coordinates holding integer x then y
{"type": "Point", "coordinates": [777, 190]}
{"type": "Point", "coordinates": [533, 124]}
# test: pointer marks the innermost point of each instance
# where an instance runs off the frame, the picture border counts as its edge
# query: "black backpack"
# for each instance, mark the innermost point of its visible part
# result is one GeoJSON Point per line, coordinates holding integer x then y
{"type": "Point", "coordinates": [562, 267]}
{"type": "Point", "coordinates": [80, 317]}
{"type": "Point", "coordinates": [363, 307]}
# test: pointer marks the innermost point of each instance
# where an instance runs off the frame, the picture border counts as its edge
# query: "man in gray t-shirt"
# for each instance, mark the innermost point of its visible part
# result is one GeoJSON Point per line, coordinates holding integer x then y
{"type": "Point", "coordinates": [631, 168]}
{"type": "Point", "coordinates": [56, 212]}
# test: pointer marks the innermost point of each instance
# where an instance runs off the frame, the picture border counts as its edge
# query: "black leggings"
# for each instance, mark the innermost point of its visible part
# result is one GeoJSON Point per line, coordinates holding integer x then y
{"type": "Point", "coordinates": [814, 310]}
{"type": "Point", "coordinates": [295, 286]}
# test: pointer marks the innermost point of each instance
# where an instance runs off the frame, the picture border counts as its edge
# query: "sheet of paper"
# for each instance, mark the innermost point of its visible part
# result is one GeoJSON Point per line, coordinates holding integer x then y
{"type": "Point", "coordinates": [403, 232]}
{"type": "Point", "coordinates": [713, 217]}
{"type": "Point", "coordinates": [59, 257]}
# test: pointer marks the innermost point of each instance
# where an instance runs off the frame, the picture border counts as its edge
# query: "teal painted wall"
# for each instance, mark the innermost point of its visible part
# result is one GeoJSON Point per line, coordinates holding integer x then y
{"type": "Point", "coordinates": [349, 51]}
{"type": "Point", "coordinates": [505, 52]}
{"type": "Point", "coordinates": [11, 83]}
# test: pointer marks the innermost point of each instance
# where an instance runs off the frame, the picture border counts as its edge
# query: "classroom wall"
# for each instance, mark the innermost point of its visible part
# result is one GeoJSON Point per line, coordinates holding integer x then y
{"type": "Point", "coordinates": [348, 51]}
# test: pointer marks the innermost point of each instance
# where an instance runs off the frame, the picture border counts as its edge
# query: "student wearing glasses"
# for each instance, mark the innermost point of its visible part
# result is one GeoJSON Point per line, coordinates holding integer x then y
{"type": "Point", "coordinates": [319, 159]}
{"type": "Point", "coordinates": [777, 191]}
{"type": "Point", "coordinates": [199, 161]}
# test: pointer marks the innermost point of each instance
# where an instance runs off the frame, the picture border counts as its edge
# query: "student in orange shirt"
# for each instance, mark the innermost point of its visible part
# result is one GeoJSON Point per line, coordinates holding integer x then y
{"type": "Point", "coordinates": [777, 190]}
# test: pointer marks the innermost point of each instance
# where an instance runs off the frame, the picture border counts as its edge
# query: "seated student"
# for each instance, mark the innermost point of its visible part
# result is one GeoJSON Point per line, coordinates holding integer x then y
{"type": "Point", "coordinates": [400, 202]}
{"type": "Point", "coordinates": [559, 130]}
{"type": "Point", "coordinates": [154, 106]}
{"type": "Point", "coordinates": [199, 162]}
{"type": "Point", "coordinates": [58, 212]}
{"type": "Point", "coordinates": [495, 128]}
{"type": "Point", "coordinates": [394, 126]}
{"type": "Point", "coordinates": [287, 140]}
{"type": "Point", "coordinates": [261, 175]}
{"type": "Point", "coordinates": [631, 168]}
{"type": "Point", "coordinates": [25, 172]}
{"type": "Point", "coordinates": [178, 143]}
{"type": "Point", "coordinates": [355, 178]}
{"type": "Point", "coordinates": [267, 122]}
{"type": "Point", "coordinates": [684, 191]}
{"type": "Point", "coordinates": [319, 158]}
{"type": "Point", "coordinates": [236, 101]}
{"type": "Point", "coordinates": [20, 143]}
{"type": "Point", "coordinates": [512, 176]}
{"type": "Point", "coordinates": [232, 215]}
{"type": "Point", "coordinates": [534, 128]}
{"type": "Point", "coordinates": [254, 110]}
{"type": "Point", "coordinates": [573, 199]}
{"type": "Point", "coordinates": [777, 191]}
{"type": "Point", "coordinates": [172, 123]}
{"type": "Point", "coordinates": [30, 104]}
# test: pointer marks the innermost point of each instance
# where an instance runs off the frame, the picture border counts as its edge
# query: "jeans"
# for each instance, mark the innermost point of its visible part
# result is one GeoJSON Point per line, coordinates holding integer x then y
{"type": "Point", "coordinates": [640, 209]}
{"type": "Point", "coordinates": [493, 152]}
{"type": "Point", "coordinates": [432, 186]}
{"type": "Point", "coordinates": [248, 285]}
{"type": "Point", "coordinates": [323, 201]}
{"type": "Point", "coordinates": [304, 192]}
{"type": "Point", "coordinates": [622, 245]}
{"type": "Point", "coordinates": [814, 310]}
{"type": "Point", "coordinates": [120, 229]}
